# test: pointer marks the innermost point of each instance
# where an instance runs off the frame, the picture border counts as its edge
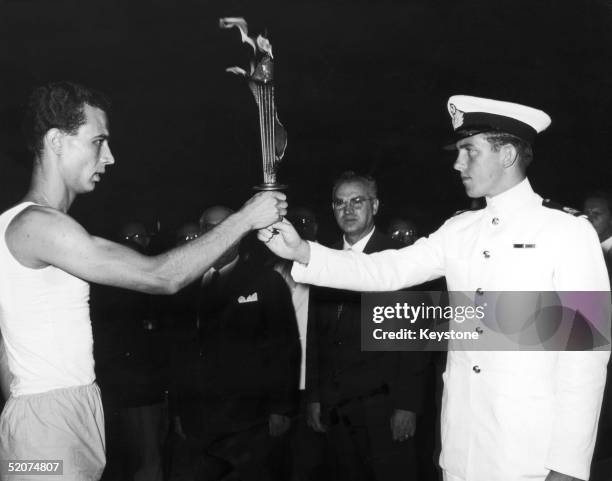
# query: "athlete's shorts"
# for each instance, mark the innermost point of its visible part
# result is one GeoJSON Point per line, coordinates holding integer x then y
{"type": "Point", "coordinates": [63, 424]}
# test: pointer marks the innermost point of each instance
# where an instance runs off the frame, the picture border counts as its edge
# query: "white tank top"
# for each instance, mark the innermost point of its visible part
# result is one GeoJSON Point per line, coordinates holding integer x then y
{"type": "Point", "coordinates": [44, 319]}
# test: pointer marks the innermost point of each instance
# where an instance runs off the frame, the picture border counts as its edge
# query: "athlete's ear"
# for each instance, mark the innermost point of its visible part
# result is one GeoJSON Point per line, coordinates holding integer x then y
{"type": "Point", "coordinates": [53, 140]}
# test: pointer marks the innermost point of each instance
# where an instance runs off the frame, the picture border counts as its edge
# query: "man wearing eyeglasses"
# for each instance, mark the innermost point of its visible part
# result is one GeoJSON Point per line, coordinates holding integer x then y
{"type": "Point", "coordinates": [365, 402]}
{"type": "Point", "coordinates": [506, 415]}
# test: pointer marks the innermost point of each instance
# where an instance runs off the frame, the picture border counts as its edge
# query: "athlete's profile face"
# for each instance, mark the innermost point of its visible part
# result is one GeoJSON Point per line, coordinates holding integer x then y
{"type": "Point", "coordinates": [85, 154]}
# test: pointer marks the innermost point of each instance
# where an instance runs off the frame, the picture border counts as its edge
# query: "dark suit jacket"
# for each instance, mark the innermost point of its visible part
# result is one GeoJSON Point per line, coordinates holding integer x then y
{"type": "Point", "coordinates": [248, 367]}
{"type": "Point", "coordinates": [336, 368]}
{"type": "Point", "coordinates": [131, 360]}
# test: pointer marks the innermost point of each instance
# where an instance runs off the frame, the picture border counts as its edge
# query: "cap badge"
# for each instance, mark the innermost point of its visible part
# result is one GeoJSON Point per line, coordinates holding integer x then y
{"type": "Point", "coordinates": [456, 116]}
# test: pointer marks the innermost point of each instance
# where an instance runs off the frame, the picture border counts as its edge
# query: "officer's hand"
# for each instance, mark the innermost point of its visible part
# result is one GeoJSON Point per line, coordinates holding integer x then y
{"type": "Point", "coordinates": [403, 424]}
{"type": "Point", "coordinates": [264, 208]}
{"type": "Point", "coordinates": [555, 476]}
{"type": "Point", "coordinates": [278, 424]}
{"type": "Point", "coordinates": [282, 239]}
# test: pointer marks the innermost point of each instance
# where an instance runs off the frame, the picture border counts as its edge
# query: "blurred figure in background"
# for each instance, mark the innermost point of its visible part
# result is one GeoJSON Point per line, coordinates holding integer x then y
{"type": "Point", "coordinates": [186, 233]}
{"type": "Point", "coordinates": [307, 446]}
{"type": "Point", "coordinates": [598, 207]}
{"type": "Point", "coordinates": [131, 367]}
{"type": "Point", "coordinates": [180, 314]}
{"type": "Point", "coordinates": [403, 231]}
{"type": "Point", "coordinates": [427, 438]}
{"type": "Point", "coordinates": [237, 401]}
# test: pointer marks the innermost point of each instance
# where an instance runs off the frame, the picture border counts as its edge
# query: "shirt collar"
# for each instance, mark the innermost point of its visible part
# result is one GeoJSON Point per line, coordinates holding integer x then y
{"type": "Point", "coordinates": [607, 243]}
{"type": "Point", "coordinates": [511, 198]}
{"type": "Point", "coordinates": [227, 268]}
{"type": "Point", "coordinates": [359, 245]}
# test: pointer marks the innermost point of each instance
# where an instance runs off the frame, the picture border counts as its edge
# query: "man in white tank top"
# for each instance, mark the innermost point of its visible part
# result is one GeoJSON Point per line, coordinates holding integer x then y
{"type": "Point", "coordinates": [46, 263]}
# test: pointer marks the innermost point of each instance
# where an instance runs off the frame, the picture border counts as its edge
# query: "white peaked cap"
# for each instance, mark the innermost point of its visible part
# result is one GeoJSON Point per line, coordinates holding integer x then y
{"type": "Point", "coordinates": [472, 115]}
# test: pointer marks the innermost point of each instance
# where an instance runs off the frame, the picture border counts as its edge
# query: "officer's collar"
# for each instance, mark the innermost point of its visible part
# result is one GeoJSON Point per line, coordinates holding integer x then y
{"type": "Point", "coordinates": [511, 198]}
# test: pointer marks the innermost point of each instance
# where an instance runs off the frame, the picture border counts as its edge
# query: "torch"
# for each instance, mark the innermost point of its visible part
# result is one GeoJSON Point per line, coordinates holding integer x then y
{"type": "Point", "coordinates": [260, 78]}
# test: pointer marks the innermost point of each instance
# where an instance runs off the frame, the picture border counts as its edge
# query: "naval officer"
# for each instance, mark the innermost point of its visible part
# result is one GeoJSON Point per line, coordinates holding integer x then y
{"type": "Point", "coordinates": [506, 416]}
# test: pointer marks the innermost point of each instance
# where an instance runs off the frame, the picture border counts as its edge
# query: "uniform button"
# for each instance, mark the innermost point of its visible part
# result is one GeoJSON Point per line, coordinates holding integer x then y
{"type": "Point", "coordinates": [495, 220]}
{"type": "Point", "coordinates": [128, 354]}
{"type": "Point", "coordinates": [478, 330]}
{"type": "Point", "coordinates": [479, 291]}
{"type": "Point", "coordinates": [338, 343]}
{"type": "Point", "coordinates": [486, 254]}
{"type": "Point", "coordinates": [476, 369]}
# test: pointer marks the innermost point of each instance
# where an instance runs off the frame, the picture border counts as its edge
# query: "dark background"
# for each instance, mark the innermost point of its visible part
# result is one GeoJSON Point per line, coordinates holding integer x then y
{"type": "Point", "coordinates": [360, 85]}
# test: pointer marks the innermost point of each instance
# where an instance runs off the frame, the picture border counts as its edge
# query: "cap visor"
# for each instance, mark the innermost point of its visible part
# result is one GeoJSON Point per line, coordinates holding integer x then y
{"type": "Point", "coordinates": [451, 143]}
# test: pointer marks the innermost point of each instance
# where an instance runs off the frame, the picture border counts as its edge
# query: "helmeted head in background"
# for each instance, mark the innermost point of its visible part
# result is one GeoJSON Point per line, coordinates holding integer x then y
{"type": "Point", "coordinates": [402, 230]}
{"type": "Point", "coordinates": [186, 233]}
{"type": "Point", "coordinates": [135, 236]}
{"type": "Point", "coordinates": [304, 221]}
{"type": "Point", "coordinates": [598, 207]}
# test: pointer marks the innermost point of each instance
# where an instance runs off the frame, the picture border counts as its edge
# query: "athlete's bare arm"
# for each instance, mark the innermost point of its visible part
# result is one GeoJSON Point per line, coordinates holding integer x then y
{"type": "Point", "coordinates": [42, 236]}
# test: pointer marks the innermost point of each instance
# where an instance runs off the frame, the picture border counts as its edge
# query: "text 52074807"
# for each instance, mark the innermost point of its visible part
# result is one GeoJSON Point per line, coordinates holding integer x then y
{"type": "Point", "coordinates": [32, 467]}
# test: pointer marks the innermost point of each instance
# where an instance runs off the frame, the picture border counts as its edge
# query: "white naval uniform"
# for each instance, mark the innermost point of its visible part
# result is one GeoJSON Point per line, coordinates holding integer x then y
{"type": "Point", "coordinates": [506, 416]}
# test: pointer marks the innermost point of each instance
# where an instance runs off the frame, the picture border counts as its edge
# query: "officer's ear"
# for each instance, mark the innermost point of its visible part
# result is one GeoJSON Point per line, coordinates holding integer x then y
{"type": "Point", "coordinates": [509, 155]}
{"type": "Point", "coordinates": [375, 206]}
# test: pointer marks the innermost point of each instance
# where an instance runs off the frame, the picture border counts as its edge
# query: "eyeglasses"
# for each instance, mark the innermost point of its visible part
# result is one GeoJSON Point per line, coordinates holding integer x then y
{"type": "Point", "coordinates": [136, 237]}
{"type": "Point", "coordinates": [188, 237]}
{"type": "Point", "coordinates": [405, 236]}
{"type": "Point", "coordinates": [355, 203]}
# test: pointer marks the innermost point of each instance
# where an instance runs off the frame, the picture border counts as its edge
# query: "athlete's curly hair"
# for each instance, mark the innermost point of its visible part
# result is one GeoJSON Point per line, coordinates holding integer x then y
{"type": "Point", "coordinates": [58, 105]}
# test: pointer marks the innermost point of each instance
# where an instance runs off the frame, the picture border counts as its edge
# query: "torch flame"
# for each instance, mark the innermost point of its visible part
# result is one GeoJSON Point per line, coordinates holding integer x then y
{"type": "Point", "coordinates": [240, 24]}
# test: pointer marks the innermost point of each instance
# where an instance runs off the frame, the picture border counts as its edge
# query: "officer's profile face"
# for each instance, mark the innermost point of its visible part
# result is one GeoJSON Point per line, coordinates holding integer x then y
{"type": "Point", "coordinates": [354, 208]}
{"type": "Point", "coordinates": [481, 167]}
{"type": "Point", "coordinates": [599, 214]}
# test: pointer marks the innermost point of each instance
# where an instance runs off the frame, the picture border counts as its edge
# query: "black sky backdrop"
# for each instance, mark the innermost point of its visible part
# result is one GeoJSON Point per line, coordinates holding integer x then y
{"type": "Point", "coordinates": [360, 85]}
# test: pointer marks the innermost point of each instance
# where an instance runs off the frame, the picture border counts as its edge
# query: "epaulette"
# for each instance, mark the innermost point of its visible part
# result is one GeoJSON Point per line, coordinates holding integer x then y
{"type": "Point", "coordinates": [480, 204]}
{"type": "Point", "coordinates": [568, 210]}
